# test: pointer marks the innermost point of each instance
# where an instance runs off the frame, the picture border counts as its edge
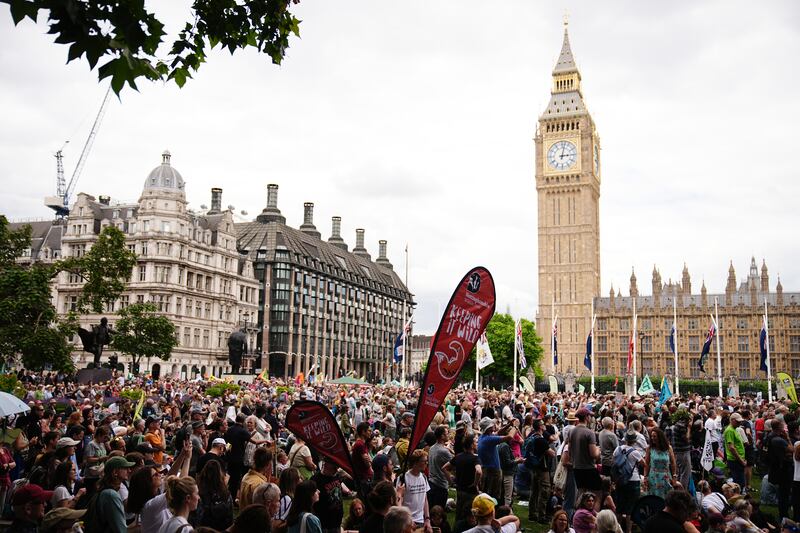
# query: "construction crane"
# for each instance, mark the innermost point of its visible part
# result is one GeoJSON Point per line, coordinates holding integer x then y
{"type": "Point", "coordinates": [60, 202]}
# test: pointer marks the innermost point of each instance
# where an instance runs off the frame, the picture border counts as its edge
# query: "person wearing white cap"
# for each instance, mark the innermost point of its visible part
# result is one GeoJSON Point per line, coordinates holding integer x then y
{"type": "Point", "coordinates": [215, 453]}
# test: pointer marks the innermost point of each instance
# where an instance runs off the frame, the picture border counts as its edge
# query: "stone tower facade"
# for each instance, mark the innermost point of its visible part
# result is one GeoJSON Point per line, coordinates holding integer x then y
{"type": "Point", "coordinates": [568, 191]}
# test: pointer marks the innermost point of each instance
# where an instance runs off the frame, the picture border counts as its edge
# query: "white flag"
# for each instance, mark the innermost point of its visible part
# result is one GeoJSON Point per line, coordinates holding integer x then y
{"type": "Point", "coordinates": [707, 459]}
{"type": "Point", "coordinates": [484, 352]}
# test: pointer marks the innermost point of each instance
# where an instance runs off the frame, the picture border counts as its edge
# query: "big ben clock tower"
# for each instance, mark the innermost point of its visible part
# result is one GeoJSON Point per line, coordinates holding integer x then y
{"type": "Point", "coordinates": [568, 191]}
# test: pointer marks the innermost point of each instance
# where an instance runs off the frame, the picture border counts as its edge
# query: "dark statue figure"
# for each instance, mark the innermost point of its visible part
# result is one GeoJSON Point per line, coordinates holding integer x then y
{"type": "Point", "coordinates": [237, 346]}
{"type": "Point", "coordinates": [93, 341]}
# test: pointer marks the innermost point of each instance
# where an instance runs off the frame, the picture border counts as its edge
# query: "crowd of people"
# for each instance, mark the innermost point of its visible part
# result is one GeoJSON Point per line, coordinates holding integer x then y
{"type": "Point", "coordinates": [161, 456]}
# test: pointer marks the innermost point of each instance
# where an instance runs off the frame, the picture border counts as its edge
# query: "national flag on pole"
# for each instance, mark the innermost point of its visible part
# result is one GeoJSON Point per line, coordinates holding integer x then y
{"type": "Point", "coordinates": [763, 344]}
{"type": "Point", "coordinates": [398, 343]}
{"type": "Point", "coordinates": [630, 354]}
{"type": "Point", "coordinates": [672, 339]}
{"type": "Point", "coordinates": [555, 342]}
{"type": "Point", "coordinates": [587, 359]}
{"type": "Point", "coordinates": [520, 345]}
{"type": "Point", "coordinates": [706, 348]}
{"type": "Point", "coordinates": [483, 352]}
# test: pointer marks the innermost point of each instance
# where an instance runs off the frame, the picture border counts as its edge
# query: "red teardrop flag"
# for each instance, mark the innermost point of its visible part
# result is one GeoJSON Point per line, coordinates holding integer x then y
{"type": "Point", "coordinates": [464, 319]}
{"type": "Point", "coordinates": [314, 423]}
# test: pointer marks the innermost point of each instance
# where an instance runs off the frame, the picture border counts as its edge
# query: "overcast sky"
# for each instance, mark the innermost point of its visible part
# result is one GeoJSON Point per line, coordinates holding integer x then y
{"type": "Point", "coordinates": [414, 120]}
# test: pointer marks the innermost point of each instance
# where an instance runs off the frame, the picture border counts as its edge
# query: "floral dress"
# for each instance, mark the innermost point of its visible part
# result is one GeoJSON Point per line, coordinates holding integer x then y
{"type": "Point", "coordinates": [659, 479]}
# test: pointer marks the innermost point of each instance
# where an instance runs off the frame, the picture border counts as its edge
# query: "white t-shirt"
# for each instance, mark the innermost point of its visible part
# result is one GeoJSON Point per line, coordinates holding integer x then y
{"type": "Point", "coordinates": [714, 500]}
{"type": "Point", "coordinates": [511, 527]}
{"type": "Point", "coordinates": [155, 514]}
{"type": "Point", "coordinates": [414, 497]}
{"type": "Point", "coordinates": [633, 459]}
{"type": "Point", "coordinates": [283, 508]}
{"type": "Point", "coordinates": [176, 524]}
{"type": "Point", "coordinates": [61, 493]}
{"type": "Point", "coordinates": [715, 427]}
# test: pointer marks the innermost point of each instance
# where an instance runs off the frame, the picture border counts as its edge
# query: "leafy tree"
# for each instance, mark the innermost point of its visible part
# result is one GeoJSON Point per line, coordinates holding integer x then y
{"type": "Point", "coordinates": [127, 36]}
{"type": "Point", "coordinates": [142, 332]}
{"type": "Point", "coordinates": [500, 332]}
{"type": "Point", "coordinates": [29, 324]}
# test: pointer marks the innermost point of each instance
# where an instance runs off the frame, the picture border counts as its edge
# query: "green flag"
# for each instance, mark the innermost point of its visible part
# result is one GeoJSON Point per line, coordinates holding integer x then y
{"type": "Point", "coordinates": [646, 387]}
{"type": "Point", "coordinates": [581, 389]}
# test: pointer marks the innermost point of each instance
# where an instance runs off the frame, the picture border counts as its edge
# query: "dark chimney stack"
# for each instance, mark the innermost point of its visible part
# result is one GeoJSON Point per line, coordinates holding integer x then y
{"type": "Point", "coordinates": [308, 226]}
{"type": "Point", "coordinates": [359, 247]}
{"type": "Point", "coordinates": [382, 259]}
{"type": "Point", "coordinates": [271, 213]}
{"type": "Point", "coordinates": [216, 201]}
{"type": "Point", "coordinates": [336, 233]}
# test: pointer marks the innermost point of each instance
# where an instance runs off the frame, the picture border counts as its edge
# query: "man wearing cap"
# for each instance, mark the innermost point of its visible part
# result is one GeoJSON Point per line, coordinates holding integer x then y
{"type": "Point", "coordinates": [483, 509]}
{"type": "Point", "coordinates": [216, 453]}
{"type": "Point", "coordinates": [584, 454]}
{"type": "Point", "coordinates": [734, 449]}
{"type": "Point", "coordinates": [198, 439]}
{"type": "Point", "coordinates": [155, 438]}
{"type": "Point", "coordinates": [28, 504]}
{"type": "Point", "coordinates": [628, 491]}
{"type": "Point", "coordinates": [106, 512]}
{"type": "Point", "coordinates": [492, 481]}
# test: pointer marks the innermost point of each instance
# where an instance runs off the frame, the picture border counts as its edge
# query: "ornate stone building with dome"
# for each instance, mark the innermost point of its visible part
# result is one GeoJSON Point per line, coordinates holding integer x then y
{"type": "Point", "coordinates": [188, 266]}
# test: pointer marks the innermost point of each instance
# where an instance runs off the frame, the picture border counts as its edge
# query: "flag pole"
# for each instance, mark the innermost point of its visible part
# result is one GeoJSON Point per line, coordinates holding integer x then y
{"type": "Point", "coordinates": [591, 332]}
{"type": "Point", "coordinates": [675, 342]}
{"type": "Point", "coordinates": [633, 333]}
{"type": "Point", "coordinates": [769, 363]}
{"type": "Point", "coordinates": [477, 372]}
{"type": "Point", "coordinates": [552, 336]}
{"type": "Point", "coordinates": [719, 356]}
{"type": "Point", "coordinates": [516, 354]}
{"type": "Point", "coordinates": [403, 325]}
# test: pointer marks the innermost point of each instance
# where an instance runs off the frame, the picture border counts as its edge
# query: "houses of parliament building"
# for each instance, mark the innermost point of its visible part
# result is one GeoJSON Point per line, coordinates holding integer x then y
{"type": "Point", "coordinates": [568, 174]}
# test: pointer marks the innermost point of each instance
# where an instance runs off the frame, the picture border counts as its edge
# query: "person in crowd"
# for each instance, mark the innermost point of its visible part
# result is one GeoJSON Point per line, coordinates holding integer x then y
{"type": "Point", "coordinates": [64, 494]}
{"type": "Point", "coordinates": [584, 454]}
{"type": "Point", "coordinates": [660, 471]}
{"type": "Point", "coordinates": [301, 516]}
{"type": "Point", "coordinates": [61, 520]}
{"type": "Point", "coordinates": [215, 509]}
{"type": "Point", "coordinates": [330, 507]}
{"type": "Point", "coordinates": [560, 523]}
{"type": "Point", "coordinates": [381, 498]}
{"type": "Point", "coordinates": [439, 520]}
{"type": "Point", "coordinates": [779, 455]}
{"type": "Point", "coordinates": [288, 482]}
{"type": "Point", "coordinates": [537, 460]}
{"type": "Point", "coordinates": [28, 503]}
{"type": "Point", "coordinates": [237, 437]}
{"type": "Point", "coordinates": [398, 520]}
{"type": "Point", "coordinates": [607, 522]}
{"type": "Point", "coordinates": [252, 519]}
{"type": "Point", "coordinates": [301, 459]}
{"type": "Point", "coordinates": [106, 512]}
{"type": "Point", "coordinates": [483, 508]}
{"type": "Point", "coordinates": [182, 498]}
{"type": "Point", "coordinates": [355, 516]}
{"type": "Point", "coordinates": [680, 440]}
{"type": "Point", "coordinates": [608, 443]}
{"type": "Point", "coordinates": [155, 437]}
{"type": "Point", "coordinates": [414, 489]}
{"type": "Point", "coordinates": [628, 490]}
{"type": "Point", "coordinates": [439, 456]}
{"type": "Point", "coordinates": [258, 474]}
{"type": "Point", "coordinates": [216, 453]}
{"type": "Point", "coordinates": [492, 478]}
{"type": "Point", "coordinates": [382, 468]}
{"type": "Point", "coordinates": [467, 471]}
{"type": "Point", "coordinates": [95, 452]}
{"type": "Point", "coordinates": [734, 449]}
{"type": "Point", "coordinates": [362, 462]}
{"type": "Point", "coordinates": [678, 506]}
{"type": "Point", "coordinates": [508, 463]}
{"type": "Point", "coordinates": [585, 518]}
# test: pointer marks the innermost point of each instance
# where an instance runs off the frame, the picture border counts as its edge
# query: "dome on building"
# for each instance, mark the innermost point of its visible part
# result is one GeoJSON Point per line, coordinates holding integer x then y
{"type": "Point", "coordinates": [165, 176]}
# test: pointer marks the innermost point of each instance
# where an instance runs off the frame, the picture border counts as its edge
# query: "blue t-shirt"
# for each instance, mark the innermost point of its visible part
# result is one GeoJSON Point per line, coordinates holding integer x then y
{"type": "Point", "coordinates": [487, 451]}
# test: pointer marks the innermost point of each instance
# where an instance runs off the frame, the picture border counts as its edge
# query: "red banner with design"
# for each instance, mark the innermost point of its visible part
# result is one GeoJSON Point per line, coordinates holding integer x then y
{"type": "Point", "coordinates": [464, 319]}
{"type": "Point", "coordinates": [314, 423]}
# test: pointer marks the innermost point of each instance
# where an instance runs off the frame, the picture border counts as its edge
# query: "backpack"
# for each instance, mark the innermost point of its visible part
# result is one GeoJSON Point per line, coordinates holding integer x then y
{"type": "Point", "coordinates": [622, 469]}
{"type": "Point", "coordinates": [532, 460]}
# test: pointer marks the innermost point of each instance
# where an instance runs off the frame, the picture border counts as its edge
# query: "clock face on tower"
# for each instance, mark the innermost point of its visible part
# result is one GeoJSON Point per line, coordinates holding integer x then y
{"type": "Point", "coordinates": [562, 155]}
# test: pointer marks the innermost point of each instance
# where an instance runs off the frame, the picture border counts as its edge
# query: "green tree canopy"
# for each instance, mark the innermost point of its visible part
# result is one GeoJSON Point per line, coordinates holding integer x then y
{"type": "Point", "coordinates": [127, 37]}
{"type": "Point", "coordinates": [142, 332]}
{"type": "Point", "coordinates": [500, 333]}
{"type": "Point", "coordinates": [29, 323]}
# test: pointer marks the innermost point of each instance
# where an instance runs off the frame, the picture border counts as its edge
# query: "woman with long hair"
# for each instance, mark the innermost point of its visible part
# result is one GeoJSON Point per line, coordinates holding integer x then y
{"type": "Point", "coordinates": [585, 518]}
{"type": "Point", "coordinates": [215, 509]}
{"type": "Point", "coordinates": [288, 482]}
{"type": "Point", "coordinates": [355, 517]}
{"type": "Point", "coordinates": [660, 469]}
{"type": "Point", "coordinates": [182, 499]}
{"type": "Point", "coordinates": [560, 523]}
{"type": "Point", "coordinates": [143, 487]}
{"type": "Point", "coordinates": [301, 516]}
{"type": "Point", "coordinates": [64, 482]}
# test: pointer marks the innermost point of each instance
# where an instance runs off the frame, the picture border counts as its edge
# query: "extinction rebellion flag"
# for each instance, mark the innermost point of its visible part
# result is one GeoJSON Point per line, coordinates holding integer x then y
{"type": "Point", "coordinates": [464, 319]}
{"type": "Point", "coordinates": [706, 348]}
{"type": "Point", "coordinates": [314, 423]}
